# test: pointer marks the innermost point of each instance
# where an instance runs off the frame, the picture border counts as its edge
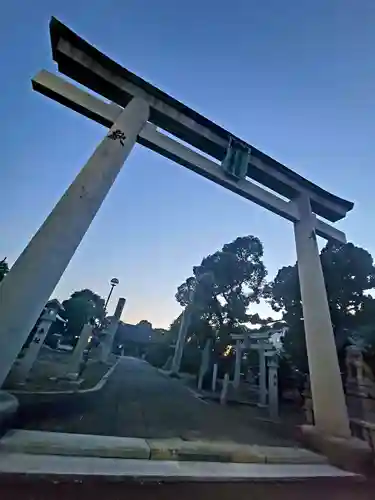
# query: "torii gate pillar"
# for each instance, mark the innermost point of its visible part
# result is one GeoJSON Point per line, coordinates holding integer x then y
{"type": "Point", "coordinates": [31, 280]}
{"type": "Point", "coordinates": [330, 412]}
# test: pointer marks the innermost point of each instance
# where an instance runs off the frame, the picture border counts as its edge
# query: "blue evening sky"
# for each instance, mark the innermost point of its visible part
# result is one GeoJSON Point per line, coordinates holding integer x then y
{"type": "Point", "coordinates": [294, 78]}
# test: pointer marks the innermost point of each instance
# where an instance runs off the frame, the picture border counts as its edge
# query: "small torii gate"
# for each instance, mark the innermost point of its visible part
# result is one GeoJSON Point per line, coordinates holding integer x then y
{"type": "Point", "coordinates": [137, 113]}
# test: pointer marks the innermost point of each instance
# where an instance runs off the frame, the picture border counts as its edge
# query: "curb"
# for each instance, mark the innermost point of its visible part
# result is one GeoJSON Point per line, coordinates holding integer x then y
{"type": "Point", "coordinates": [79, 445]}
{"type": "Point", "coordinates": [229, 452]}
{"type": "Point", "coordinates": [16, 467]}
{"type": "Point", "coordinates": [154, 450]}
{"type": "Point", "coordinates": [71, 392]}
{"type": "Point", "coordinates": [101, 382]}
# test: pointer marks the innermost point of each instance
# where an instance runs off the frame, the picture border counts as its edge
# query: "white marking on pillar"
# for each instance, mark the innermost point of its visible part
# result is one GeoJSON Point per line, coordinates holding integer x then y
{"type": "Point", "coordinates": [330, 412]}
{"type": "Point", "coordinates": [35, 274]}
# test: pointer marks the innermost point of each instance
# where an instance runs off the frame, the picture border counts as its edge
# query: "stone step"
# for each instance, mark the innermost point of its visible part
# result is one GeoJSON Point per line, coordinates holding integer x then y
{"type": "Point", "coordinates": [84, 445]}
{"type": "Point", "coordinates": [59, 443]}
{"type": "Point", "coordinates": [77, 468]}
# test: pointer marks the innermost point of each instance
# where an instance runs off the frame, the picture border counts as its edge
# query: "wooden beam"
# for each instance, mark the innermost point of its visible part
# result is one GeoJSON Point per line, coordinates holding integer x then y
{"type": "Point", "coordinates": [106, 113]}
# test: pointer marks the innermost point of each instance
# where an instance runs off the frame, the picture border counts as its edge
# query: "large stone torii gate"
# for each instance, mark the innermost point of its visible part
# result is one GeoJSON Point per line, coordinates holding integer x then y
{"type": "Point", "coordinates": [137, 113]}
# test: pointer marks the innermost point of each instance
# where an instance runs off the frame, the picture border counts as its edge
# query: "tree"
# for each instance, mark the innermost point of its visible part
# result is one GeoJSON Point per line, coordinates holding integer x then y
{"type": "Point", "coordinates": [4, 268]}
{"type": "Point", "coordinates": [349, 274]}
{"type": "Point", "coordinates": [145, 324]}
{"type": "Point", "coordinates": [82, 306]}
{"type": "Point", "coordinates": [238, 276]}
{"type": "Point", "coordinates": [160, 335]}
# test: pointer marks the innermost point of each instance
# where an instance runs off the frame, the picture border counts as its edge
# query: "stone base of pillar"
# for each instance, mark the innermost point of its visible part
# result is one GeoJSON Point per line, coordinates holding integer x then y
{"type": "Point", "coordinates": [8, 408]}
{"type": "Point", "coordinates": [168, 364]}
{"type": "Point", "coordinates": [351, 454]}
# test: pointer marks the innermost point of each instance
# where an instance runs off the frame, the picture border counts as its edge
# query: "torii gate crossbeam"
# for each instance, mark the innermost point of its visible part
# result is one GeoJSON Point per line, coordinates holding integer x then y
{"type": "Point", "coordinates": [106, 114]}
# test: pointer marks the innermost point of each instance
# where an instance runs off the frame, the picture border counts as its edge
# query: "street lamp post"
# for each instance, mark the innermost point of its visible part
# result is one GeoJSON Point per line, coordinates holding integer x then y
{"type": "Point", "coordinates": [114, 282]}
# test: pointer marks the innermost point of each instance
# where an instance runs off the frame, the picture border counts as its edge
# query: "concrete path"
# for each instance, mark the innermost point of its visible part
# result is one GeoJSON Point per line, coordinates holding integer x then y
{"type": "Point", "coordinates": [139, 401]}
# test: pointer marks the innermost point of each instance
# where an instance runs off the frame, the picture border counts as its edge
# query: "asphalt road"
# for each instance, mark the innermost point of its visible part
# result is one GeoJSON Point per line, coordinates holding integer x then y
{"type": "Point", "coordinates": [24, 488]}
{"type": "Point", "coordinates": [139, 401]}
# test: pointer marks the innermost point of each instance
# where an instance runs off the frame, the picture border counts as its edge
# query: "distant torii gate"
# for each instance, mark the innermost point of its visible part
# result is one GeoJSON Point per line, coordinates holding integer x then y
{"type": "Point", "coordinates": [140, 112]}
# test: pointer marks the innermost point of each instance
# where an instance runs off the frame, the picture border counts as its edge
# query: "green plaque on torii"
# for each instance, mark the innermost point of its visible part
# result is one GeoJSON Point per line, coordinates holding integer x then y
{"type": "Point", "coordinates": [236, 159]}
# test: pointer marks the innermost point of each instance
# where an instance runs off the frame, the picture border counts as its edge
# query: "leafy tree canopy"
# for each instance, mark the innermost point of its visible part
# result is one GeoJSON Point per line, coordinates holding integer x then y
{"type": "Point", "coordinates": [238, 277]}
{"type": "Point", "coordinates": [349, 275]}
{"type": "Point", "coordinates": [4, 268]}
{"type": "Point", "coordinates": [145, 323]}
{"type": "Point", "coordinates": [82, 306]}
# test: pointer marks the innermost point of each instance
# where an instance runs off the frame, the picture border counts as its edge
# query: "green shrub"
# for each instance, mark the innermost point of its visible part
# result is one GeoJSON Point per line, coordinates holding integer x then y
{"type": "Point", "coordinates": [157, 355]}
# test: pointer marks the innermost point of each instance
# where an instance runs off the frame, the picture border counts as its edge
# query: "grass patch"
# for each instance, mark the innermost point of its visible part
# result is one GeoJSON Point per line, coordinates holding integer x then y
{"type": "Point", "coordinates": [50, 375]}
{"type": "Point", "coordinates": [94, 373]}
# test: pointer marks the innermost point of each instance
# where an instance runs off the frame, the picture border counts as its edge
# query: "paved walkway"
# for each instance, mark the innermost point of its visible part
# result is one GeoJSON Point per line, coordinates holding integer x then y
{"type": "Point", "coordinates": [139, 401]}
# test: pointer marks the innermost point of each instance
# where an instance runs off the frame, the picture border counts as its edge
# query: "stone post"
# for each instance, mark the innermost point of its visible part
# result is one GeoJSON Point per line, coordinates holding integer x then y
{"type": "Point", "coordinates": [330, 413]}
{"type": "Point", "coordinates": [224, 390]}
{"type": "Point", "coordinates": [356, 395]}
{"type": "Point", "coordinates": [110, 332]}
{"type": "Point", "coordinates": [214, 377]}
{"type": "Point", "coordinates": [307, 404]}
{"type": "Point", "coordinates": [179, 349]}
{"type": "Point", "coordinates": [205, 361]}
{"type": "Point", "coordinates": [35, 274]}
{"type": "Point", "coordinates": [197, 299]}
{"type": "Point", "coordinates": [107, 342]}
{"type": "Point", "coordinates": [77, 355]}
{"type": "Point", "coordinates": [273, 389]}
{"type": "Point", "coordinates": [262, 377]}
{"type": "Point", "coordinates": [24, 366]}
{"type": "Point", "coordinates": [249, 376]}
{"type": "Point", "coordinates": [237, 365]}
